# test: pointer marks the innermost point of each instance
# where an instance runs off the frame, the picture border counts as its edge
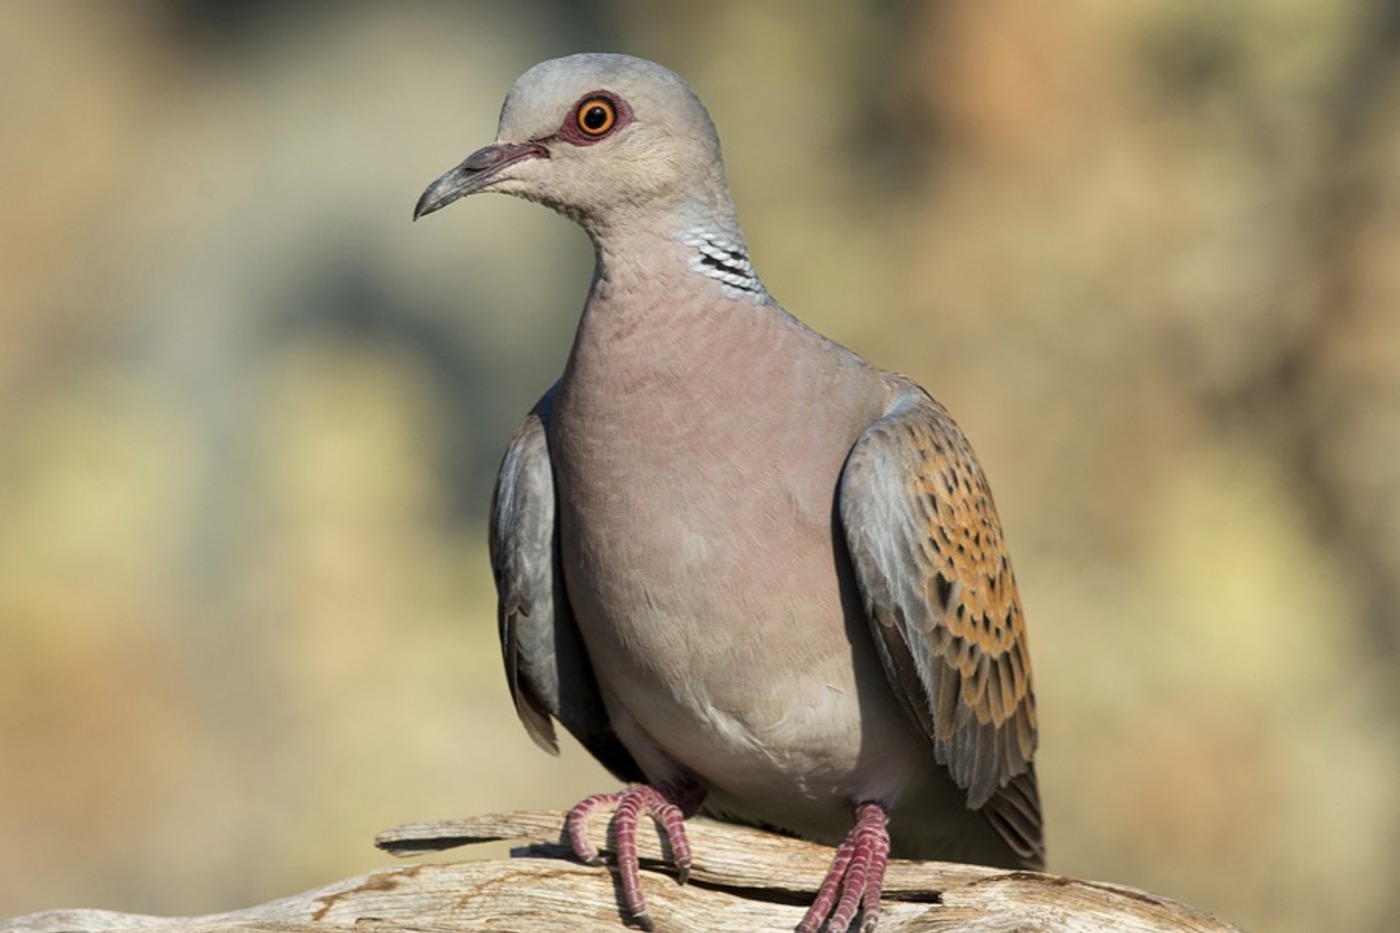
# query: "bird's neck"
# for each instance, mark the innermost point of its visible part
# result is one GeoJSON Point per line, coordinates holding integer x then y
{"type": "Point", "coordinates": [707, 241]}
{"type": "Point", "coordinates": [670, 302]}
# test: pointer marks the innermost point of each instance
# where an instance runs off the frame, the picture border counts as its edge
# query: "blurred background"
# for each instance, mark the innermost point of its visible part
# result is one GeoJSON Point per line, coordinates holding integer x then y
{"type": "Point", "coordinates": [1148, 253]}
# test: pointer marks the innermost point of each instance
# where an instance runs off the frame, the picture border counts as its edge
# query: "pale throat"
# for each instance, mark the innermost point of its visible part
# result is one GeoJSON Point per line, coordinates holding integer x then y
{"type": "Point", "coordinates": [673, 250]}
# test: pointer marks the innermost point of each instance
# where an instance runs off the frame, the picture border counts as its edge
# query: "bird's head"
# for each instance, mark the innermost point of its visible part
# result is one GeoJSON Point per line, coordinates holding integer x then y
{"type": "Point", "coordinates": [602, 139]}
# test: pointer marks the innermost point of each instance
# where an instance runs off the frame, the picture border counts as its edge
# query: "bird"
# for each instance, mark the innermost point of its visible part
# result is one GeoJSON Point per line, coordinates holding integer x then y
{"type": "Point", "coordinates": [756, 576]}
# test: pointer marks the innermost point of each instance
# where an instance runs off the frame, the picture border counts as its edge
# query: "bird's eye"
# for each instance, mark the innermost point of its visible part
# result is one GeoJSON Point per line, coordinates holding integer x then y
{"type": "Point", "coordinates": [596, 116]}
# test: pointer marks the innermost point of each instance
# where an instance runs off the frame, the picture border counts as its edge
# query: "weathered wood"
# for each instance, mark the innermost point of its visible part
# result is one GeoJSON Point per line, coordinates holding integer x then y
{"type": "Point", "coordinates": [742, 880]}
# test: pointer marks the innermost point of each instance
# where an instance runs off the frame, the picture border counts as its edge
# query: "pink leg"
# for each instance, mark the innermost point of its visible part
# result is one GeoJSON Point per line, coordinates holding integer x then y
{"type": "Point", "coordinates": [856, 876]}
{"type": "Point", "coordinates": [664, 805]}
{"type": "Point", "coordinates": [578, 825]}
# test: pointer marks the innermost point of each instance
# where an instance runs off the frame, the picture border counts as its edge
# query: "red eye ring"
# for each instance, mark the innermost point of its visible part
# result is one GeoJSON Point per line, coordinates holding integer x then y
{"type": "Point", "coordinates": [596, 116]}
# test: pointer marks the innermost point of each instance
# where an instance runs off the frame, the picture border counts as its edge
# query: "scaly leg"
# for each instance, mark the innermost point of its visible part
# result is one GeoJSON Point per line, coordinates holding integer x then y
{"type": "Point", "coordinates": [667, 806]}
{"type": "Point", "coordinates": [856, 876]}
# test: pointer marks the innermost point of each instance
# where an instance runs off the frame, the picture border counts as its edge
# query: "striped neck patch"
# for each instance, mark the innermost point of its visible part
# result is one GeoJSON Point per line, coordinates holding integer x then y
{"type": "Point", "coordinates": [725, 260]}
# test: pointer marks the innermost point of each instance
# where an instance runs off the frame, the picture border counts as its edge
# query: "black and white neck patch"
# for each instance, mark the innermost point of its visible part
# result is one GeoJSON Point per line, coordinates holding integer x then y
{"type": "Point", "coordinates": [724, 259]}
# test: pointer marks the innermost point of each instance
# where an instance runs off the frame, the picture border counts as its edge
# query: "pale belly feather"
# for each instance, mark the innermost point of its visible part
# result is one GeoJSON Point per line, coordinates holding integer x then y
{"type": "Point", "coordinates": [710, 669]}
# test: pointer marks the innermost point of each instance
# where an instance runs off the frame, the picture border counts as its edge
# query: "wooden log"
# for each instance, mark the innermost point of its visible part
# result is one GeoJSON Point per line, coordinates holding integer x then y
{"type": "Point", "coordinates": [742, 880]}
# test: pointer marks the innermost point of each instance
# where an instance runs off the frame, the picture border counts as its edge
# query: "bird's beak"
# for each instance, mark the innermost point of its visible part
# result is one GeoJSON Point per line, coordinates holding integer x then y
{"type": "Point", "coordinates": [476, 173]}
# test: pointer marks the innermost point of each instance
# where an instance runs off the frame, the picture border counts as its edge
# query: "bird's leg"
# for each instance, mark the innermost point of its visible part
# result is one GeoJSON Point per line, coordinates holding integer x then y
{"type": "Point", "coordinates": [668, 806]}
{"type": "Point", "coordinates": [856, 876]}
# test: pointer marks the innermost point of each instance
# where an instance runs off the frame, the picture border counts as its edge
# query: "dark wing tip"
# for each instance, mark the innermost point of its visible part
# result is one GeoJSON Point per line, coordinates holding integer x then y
{"type": "Point", "coordinates": [1014, 812]}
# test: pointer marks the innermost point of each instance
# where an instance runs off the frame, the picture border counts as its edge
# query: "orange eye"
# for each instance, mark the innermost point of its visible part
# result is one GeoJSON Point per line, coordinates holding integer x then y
{"type": "Point", "coordinates": [596, 116]}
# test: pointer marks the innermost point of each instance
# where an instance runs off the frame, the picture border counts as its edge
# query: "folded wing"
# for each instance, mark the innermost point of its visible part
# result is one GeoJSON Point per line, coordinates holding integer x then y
{"type": "Point", "coordinates": [926, 546]}
{"type": "Point", "coordinates": [547, 665]}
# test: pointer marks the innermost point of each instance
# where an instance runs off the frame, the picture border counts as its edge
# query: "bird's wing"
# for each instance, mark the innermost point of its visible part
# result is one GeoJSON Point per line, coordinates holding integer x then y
{"type": "Point", "coordinates": [547, 665]}
{"type": "Point", "coordinates": [926, 546]}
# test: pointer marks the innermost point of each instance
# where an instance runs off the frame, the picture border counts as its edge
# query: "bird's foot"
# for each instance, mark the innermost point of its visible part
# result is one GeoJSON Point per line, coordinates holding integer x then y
{"type": "Point", "coordinates": [856, 876]}
{"type": "Point", "coordinates": [667, 806]}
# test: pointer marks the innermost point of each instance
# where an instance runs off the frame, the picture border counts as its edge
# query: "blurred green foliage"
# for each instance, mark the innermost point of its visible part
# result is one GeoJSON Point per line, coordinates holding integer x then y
{"type": "Point", "coordinates": [249, 415]}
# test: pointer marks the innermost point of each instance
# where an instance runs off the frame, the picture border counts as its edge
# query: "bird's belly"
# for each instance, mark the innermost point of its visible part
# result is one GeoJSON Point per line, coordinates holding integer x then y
{"type": "Point", "coordinates": [712, 668]}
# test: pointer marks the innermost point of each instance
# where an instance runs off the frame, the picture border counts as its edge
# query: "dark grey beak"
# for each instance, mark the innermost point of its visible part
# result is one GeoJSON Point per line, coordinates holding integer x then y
{"type": "Point", "coordinates": [476, 172]}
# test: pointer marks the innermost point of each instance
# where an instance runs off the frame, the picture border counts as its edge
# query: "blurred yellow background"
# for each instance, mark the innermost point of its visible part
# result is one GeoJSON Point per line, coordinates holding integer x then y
{"type": "Point", "coordinates": [1148, 253]}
